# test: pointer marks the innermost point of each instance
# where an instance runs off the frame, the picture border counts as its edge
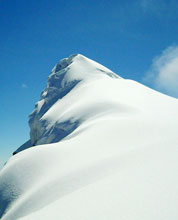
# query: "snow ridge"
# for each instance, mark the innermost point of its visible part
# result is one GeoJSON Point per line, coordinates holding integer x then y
{"type": "Point", "coordinates": [66, 75]}
{"type": "Point", "coordinates": [105, 148]}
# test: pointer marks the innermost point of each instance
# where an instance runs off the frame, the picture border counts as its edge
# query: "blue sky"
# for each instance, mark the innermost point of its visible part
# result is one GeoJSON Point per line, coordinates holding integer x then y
{"type": "Point", "coordinates": [136, 39]}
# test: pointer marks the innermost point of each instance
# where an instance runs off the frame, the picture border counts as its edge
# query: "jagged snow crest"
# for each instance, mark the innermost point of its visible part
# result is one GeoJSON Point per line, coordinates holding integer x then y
{"type": "Point", "coordinates": [65, 76]}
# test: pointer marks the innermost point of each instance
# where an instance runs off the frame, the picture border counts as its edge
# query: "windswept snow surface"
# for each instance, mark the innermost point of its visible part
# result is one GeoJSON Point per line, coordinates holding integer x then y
{"type": "Point", "coordinates": [101, 148]}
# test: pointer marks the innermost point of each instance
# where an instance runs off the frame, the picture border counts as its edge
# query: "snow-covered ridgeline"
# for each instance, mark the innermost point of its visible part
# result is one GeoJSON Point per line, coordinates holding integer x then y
{"type": "Point", "coordinates": [65, 76]}
{"type": "Point", "coordinates": [105, 148]}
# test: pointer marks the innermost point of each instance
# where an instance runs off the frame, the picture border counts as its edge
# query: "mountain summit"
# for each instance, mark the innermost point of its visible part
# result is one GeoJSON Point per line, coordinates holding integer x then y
{"type": "Point", "coordinates": [68, 75]}
{"type": "Point", "coordinates": [101, 147]}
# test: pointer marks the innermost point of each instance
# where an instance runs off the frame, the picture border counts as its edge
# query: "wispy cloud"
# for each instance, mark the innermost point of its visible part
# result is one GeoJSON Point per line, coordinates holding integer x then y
{"type": "Point", "coordinates": [160, 8]}
{"type": "Point", "coordinates": [24, 85]}
{"type": "Point", "coordinates": [163, 74]}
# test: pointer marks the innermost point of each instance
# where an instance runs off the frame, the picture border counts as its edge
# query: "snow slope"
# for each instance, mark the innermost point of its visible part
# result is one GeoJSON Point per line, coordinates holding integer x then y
{"type": "Point", "coordinates": [101, 147]}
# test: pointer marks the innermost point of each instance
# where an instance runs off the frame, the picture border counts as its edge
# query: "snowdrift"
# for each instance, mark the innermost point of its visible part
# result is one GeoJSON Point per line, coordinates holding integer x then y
{"type": "Point", "coordinates": [101, 147]}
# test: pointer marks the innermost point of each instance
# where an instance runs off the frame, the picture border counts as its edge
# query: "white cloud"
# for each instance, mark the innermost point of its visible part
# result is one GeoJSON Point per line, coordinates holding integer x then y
{"type": "Point", "coordinates": [163, 74]}
{"type": "Point", "coordinates": [161, 9]}
{"type": "Point", "coordinates": [24, 85]}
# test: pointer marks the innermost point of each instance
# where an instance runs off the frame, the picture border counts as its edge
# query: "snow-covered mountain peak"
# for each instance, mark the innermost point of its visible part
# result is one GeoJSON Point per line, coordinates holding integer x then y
{"type": "Point", "coordinates": [108, 150]}
{"type": "Point", "coordinates": [81, 67]}
{"type": "Point", "coordinates": [67, 75]}
{"type": "Point", "coordinates": [68, 72]}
